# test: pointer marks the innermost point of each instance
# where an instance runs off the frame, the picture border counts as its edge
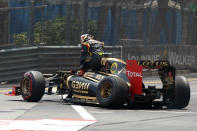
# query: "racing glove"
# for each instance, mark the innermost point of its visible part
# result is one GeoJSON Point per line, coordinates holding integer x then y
{"type": "Point", "coordinates": [81, 72]}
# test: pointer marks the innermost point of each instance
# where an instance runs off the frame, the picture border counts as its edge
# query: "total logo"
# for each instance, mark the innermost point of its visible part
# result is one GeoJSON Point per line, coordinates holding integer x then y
{"type": "Point", "coordinates": [134, 74]}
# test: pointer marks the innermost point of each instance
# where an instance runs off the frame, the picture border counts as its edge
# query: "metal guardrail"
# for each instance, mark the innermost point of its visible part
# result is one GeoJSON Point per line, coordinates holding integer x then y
{"type": "Point", "coordinates": [47, 59]}
{"type": "Point", "coordinates": [58, 57]}
{"type": "Point", "coordinates": [14, 62]}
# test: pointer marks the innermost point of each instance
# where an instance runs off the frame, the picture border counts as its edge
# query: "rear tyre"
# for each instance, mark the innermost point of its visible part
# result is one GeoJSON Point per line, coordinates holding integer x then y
{"type": "Point", "coordinates": [180, 96]}
{"type": "Point", "coordinates": [112, 92]}
{"type": "Point", "coordinates": [32, 86]}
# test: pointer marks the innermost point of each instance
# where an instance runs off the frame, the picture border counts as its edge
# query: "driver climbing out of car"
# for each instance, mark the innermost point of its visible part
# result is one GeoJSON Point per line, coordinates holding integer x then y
{"type": "Point", "coordinates": [91, 54]}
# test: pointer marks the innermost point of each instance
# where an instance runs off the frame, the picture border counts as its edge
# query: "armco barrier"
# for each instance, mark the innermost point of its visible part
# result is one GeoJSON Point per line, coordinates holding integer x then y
{"type": "Point", "coordinates": [47, 59]}
{"type": "Point", "coordinates": [58, 57]}
{"type": "Point", "coordinates": [14, 62]}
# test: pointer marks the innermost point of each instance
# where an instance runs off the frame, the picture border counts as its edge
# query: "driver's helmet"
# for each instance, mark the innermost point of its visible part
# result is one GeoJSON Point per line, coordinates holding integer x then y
{"type": "Point", "coordinates": [86, 37]}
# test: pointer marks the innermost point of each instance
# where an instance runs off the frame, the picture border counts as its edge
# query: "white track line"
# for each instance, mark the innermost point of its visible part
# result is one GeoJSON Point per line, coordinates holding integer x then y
{"type": "Point", "coordinates": [83, 113]}
{"type": "Point", "coordinates": [194, 93]}
{"type": "Point", "coordinates": [44, 125]}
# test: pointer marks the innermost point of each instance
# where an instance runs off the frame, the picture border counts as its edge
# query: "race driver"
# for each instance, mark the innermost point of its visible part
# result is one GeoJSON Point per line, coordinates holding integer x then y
{"type": "Point", "coordinates": [91, 54]}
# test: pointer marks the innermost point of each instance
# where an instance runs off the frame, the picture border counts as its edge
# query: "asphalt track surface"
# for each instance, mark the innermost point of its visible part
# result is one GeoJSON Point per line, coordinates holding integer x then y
{"type": "Point", "coordinates": [51, 113]}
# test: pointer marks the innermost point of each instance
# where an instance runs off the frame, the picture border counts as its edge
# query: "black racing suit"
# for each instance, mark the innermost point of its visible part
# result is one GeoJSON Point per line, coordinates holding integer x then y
{"type": "Point", "coordinates": [91, 55]}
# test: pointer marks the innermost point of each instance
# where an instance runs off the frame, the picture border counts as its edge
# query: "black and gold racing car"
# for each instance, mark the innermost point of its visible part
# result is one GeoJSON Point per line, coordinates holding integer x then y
{"type": "Point", "coordinates": [118, 83]}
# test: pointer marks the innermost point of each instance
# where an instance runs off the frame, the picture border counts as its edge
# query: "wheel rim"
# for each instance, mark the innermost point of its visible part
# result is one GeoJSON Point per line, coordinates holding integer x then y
{"type": "Point", "coordinates": [26, 87]}
{"type": "Point", "coordinates": [106, 90]}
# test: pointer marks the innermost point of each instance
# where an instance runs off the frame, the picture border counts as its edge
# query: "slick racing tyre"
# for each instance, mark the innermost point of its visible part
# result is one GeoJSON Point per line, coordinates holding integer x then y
{"type": "Point", "coordinates": [180, 96]}
{"type": "Point", "coordinates": [32, 86]}
{"type": "Point", "coordinates": [112, 92]}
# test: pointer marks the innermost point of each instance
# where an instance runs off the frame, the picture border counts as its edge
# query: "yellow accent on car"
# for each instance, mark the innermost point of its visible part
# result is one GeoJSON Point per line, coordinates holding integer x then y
{"type": "Point", "coordinates": [84, 97]}
{"type": "Point", "coordinates": [100, 53]}
{"type": "Point", "coordinates": [67, 83]}
{"type": "Point", "coordinates": [114, 67]}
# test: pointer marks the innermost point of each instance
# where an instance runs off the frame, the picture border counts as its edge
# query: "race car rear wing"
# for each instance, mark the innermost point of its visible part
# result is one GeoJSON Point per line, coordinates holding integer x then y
{"type": "Point", "coordinates": [134, 73]}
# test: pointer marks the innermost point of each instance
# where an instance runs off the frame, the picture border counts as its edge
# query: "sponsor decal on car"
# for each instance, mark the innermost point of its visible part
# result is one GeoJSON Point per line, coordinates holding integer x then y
{"type": "Point", "coordinates": [114, 67]}
{"type": "Point", "coordinates": [153, 64]}
{"type": "Point", "coordinates": [80, 85]}
{"type": "Point", "coordinates": [134, 74]}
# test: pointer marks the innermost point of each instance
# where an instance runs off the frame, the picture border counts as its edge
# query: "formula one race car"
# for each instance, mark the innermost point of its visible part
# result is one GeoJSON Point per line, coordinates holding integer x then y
{"type": "Point", "coordinates": [117, 83]}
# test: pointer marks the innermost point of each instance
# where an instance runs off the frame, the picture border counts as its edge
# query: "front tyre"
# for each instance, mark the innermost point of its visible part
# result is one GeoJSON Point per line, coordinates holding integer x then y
{"type": "Point", "coordinates": [180, 96]}
{"type": "Point", "coordinates": [112, 92]}
{"type": "Point", "coordinates": [32, 86]}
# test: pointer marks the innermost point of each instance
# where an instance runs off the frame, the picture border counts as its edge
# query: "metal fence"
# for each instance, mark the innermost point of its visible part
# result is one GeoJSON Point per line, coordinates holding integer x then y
{"type": "Point", "coordinates": [60, 22]}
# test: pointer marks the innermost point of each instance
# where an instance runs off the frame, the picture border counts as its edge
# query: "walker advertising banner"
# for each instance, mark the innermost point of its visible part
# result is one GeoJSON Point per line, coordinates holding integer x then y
{"type": "Point", "coordinates": [182, 57]}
